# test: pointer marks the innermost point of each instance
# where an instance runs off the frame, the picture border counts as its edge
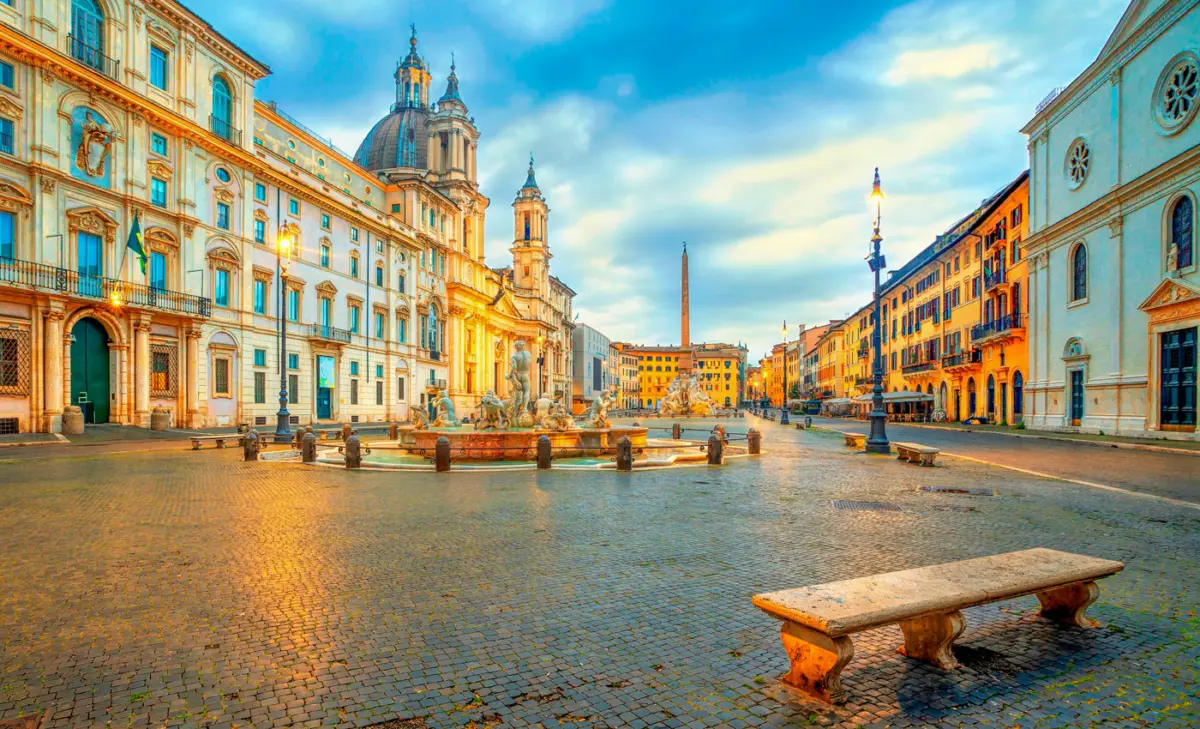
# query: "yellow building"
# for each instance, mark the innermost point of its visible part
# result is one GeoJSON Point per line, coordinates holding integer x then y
{"type": "Point", "coordinates": [954, 322]}
{"type": "Point", "coordinates": [630, 378]}
{"type": "Point", "coordinates": [857, 379]}
{"type": "Point", "coordinates": [657, 366]}
{"type": "Point", "coordinates": [831, 362]}
{"type": "Point", "coordinates": [719, 369]}
{"type": "Point", "coordinates": [754, 384]}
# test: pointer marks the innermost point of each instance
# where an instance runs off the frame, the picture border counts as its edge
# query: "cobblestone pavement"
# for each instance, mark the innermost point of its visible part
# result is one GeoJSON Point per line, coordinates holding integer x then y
{"type": "Point", "coordinates": [1173, 475]}
{"type": "Point", "coordinates": [188, 589]}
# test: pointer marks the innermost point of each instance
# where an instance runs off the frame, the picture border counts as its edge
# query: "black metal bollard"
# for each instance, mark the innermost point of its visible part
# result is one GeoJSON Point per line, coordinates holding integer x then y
{"type": "Point", "coordinates": [807, 422]}
{"type": "Point", "coordinates": [308, 447]}
{"type": "Point", "coordinates": [393, 433]}
{"type": "Point", "coordinates": [353, 451]}
{"type": "Point", "coordinates": [543, 452]}
{"type": "Point", "coordinates": [441, 454]}
{"type": "Point", "coordinates": [250, 446]}
{"type": "Point", "coordinates": [676, 432]}
{"type": "Point", "coordinates": [715, 451]}
{"type": "Point", "coordinates": [624, 454]}
{"type": "Point", "coordinates": [754, 442]}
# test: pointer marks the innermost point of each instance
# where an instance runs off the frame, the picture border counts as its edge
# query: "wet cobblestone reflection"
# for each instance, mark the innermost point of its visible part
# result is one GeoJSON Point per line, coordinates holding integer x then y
{"type": "Point", "coordinates": [190, 589]}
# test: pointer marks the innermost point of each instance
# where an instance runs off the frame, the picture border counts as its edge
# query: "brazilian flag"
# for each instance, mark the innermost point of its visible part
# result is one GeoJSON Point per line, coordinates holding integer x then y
{"type": "Point", "coordinates": [135, 243]}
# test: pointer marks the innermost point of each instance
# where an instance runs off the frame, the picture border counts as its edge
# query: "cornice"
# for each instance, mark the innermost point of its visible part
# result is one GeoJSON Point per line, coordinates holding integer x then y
{"type": "Point", "coordinates": [224, 48]}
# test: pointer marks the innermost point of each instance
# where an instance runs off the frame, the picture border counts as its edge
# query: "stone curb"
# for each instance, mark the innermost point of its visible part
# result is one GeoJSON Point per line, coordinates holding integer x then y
{"type": "Point", "coordinates": [1100, 443]}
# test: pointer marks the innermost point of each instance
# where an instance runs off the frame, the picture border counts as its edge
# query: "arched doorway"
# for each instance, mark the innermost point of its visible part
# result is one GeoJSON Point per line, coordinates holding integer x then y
{"type": "Point", "coordinates": [971, 397]}
{"type": "Point", "coordinates": [89, 370]}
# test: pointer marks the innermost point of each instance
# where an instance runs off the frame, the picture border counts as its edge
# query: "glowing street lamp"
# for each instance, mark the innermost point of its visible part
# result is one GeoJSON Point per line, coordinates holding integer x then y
{"type": "Point", "coordinates": [783, 416]}
{"type": "Point", "coordinates": [285, 241]}
{"type": "Point", "coordinates": [877, 441]}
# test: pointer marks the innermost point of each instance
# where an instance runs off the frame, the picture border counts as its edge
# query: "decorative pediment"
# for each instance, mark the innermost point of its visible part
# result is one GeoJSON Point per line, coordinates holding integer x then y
{"type": "Point", "coordinates": [160, 169]}
{"type": "Point", "coordinates": [221, 250]}
{"type": "Point", "coordinates": [223, 257]}
{"type": "Point", "coordinates": [92, 220]}
{"type": "Point", "coordinates": [223, 195]}
{"type": "Point", "coordinates": [153, 27]}
{"type": "Point", "coordinates": [13, 196]}
{"type": "Point", "coordinates": [10, 108]}
{"type": "Point", "coordinates": [160, 237]}
{"type": "Point", "coordinates": [354, 300]}
{"type": "Point", "coordinates": [260, 214]}
{"type": "Point", "coordinates": [326, 288]}
{"type": "Point", "coordinates": [1172, 299]}
{"type": "Point", "coordinates": [262, 273]}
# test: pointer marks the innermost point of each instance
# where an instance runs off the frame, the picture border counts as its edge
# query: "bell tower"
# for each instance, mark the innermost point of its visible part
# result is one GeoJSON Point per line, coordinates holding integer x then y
{"type": "Point", "coordinates": [530, 249]}
{"type": "Point", "coordinates": [453, 138]}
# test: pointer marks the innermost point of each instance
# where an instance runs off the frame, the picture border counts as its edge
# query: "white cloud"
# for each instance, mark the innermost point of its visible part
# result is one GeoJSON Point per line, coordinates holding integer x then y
{"type": "Point", "coordinates": [942, 63]}
{"type": "Point", "coordinates": [538, 20]}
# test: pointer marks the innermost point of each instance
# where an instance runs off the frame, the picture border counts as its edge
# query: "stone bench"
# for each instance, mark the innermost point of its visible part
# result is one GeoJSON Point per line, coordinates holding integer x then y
{"type": "Point", "coordinates": [855, 440]}
{"type": "Point", "coordinates": [218, 440]}
{"type": "Point", "coordinates": [926, 603]}
{"type": "Point", "coordinates": [915, 453]}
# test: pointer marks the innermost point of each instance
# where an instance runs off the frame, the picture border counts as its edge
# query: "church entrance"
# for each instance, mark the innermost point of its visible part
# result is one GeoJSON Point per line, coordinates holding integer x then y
{"type": "Point", "coordinates": [89, 370]}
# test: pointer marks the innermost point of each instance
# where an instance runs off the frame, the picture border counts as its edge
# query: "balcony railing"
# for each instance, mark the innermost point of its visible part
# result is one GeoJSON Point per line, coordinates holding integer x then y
{"type": "Point", "coordinates": [860, 381]}
{"type": "Point", "coordinates": [435, 356]}
{"type": "Point", "coordinates": [1004, 324]}
{"type": "Point", "coordinates": [993, 279]}
{"type": "Point", "coordinates": [328, 333]}
{"type": "Point", "coordinates": [15, 272]}
{"type": "Point", "coordinates": [959, 359]}
{"type": "Point", "coordinates": [864, 353]}
{"type": "Point", "coordinates": [915, 367]}
{"type": "Point", "coordinates": [93, 58]}
{"type": "Point", "coordinates": [435, 384]}
{"type": "Point", "coordinates": [225, 130]}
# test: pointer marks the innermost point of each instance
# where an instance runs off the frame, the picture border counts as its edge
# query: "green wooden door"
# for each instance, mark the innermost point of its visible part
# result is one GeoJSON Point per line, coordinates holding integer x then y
{"type": "Point", "coordinates": [89, 369]}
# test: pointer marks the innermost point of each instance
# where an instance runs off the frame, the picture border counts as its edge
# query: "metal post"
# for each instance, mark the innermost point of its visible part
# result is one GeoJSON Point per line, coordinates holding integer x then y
{"type": "Point", "coordinates": [543, 452]}
{"type": "Point", "coordinates": [714, 450]}
{"type": "Point", "coordinates": [624, 454]}
{"type": "Point", "coordinates": [308, 448]}
{"type": "Point", "coordinates": [283, 432]}
{"type": "Point", "coordinates": [441, 455]}
{"type": "Point", "coordinates": [754, 442]}
{"type": "Point", "coordinates": [676, 432]}
{"type": "Point", "coordinates": [877, 441]}
{"type": "Point", "coordinates": [250, 446]}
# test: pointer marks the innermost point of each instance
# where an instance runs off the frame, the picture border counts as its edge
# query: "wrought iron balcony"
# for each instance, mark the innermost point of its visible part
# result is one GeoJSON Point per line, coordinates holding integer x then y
{"type": "Point", "coordinates": [93, 58]}
{"type": "Point", "coordinates": [997, 327]}
{"type": "Point", "coordinates": [917, 367]}
{"type": "Point", "coordinates": [26, 274]}
{"type": "Point", "coordinates": [962, 358]}
{"type": "Point", "coordinates": [864, 353]}
{"type": "Point", "coordinates": [434, 384]}
{"type": "Point", "coordinates": [860, 381]}
{"type": "Point", "coordinates": [992, 279]}
{"type": "Point", "coordinates": [328, 333]}
{"type": "Point", "coordinates": [225, 130]}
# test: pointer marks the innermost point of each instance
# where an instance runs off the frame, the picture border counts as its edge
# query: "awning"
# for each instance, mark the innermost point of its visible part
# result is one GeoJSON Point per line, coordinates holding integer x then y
{"type": "Point", "coordinates": [898, 397]}
{"type": "Point", "coordinates": [837, 401]}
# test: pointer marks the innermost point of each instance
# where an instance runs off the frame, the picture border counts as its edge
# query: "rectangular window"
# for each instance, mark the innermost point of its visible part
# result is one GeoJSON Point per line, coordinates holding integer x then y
{"type": "Point", "coordinates": [325, 223]}
{"type": "Point", "coordinates": [222, 287]}
{"type": "Point", "coordinates": [260, 296]}
{"type": "Point", "coordinates": [379, 275]}
{"type": "Point", "coordinates": [399, 389]}
{"type": "Point", "coordinates": [293, 305]}
{"type": "Point", "coordinates": [260, 387]}
{"type": "Point", "coordinates": [222, 216]}
{"type": "Point", "coordinates": [158, 192]}
{"type": "Point", "coordinates": [400, 283]}
{"type": "Point", "coordinates": [8, 235]}
{"type": "Point", "coordinates": [260, 231]}
{"type": "Point", "coordinates": [158, 271]}
{"type": "Point", "coordinates": [379, 325]}
{"type": "Point", "coordinates": [355, 313]}
{"type": "Point", "coordinates": [293, 206]}
{"type": "Point", "coordinates": [158, 144]}
{"type": "Point", "coordinates": [158, 68]}
{"type": "Point", "coordinates": [7, 77]}
{"type": "Point", "coordinates": [354, 267]}
{"type": "Point", "coordinates": [354, 234]}
{"type": "Point", "coordinates": [378, 392]}
{"type": "Point", "coordinates": [353, 392]}
{"type": "Point", "coordinates": [293, 361]}
{"type": "Point", "coordinates": [221, 376]}
{"type": "Point", "coordinates": [260, 358]}
{"type": "Point", "coordinates": [379, 373]}
{"type": "Point", "coordinates": [293, 389]}
{"type": "Point", "coordinates": [6, 136]}
{"type": "Point", "coordinates": [402, 324]}
{"type": "Point", "coordinates": [260, 192]}
{"type": "Point", "coordinates": [325, 256]}
{"type": "Point", "coordinates": [160, 371]}
{"type": "Point", "coordinates": [354, 368]}
{"type": "Point", "coordinates": [326, 311]}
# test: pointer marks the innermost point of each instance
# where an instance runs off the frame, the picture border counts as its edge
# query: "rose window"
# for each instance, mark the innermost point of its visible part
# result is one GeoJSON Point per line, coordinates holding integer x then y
{"type": "Point", "coordinates": [1178, 93]}
{"type": "Point", "coordinates": [1079, 159]}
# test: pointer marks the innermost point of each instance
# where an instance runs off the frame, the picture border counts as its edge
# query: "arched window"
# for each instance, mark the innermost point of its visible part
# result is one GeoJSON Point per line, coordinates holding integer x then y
{"type": "Point", "coordinates": [222, 108]}
{"type": "Point", "coordinates": [1183, 233]}
{"type": "Point", "coordinates": [991, 394]}
{"type": "Point", "coordinates": [970, 397]}
{"type": "Point", "coordinates": [433, 329]}
{"type": "Point", "coordinates": [87, 32]}
{"type": "Point", "coordinates": [1079, 273]}
{"type": "Point", "coordinates": [1018, 393]}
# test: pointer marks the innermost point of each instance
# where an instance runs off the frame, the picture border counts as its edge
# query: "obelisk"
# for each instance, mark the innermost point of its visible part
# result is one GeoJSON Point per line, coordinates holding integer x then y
{"type": "Point", "coordinates": [685, 338]}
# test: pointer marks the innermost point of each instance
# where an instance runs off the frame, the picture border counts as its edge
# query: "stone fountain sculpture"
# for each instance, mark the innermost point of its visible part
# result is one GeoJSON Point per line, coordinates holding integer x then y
{"type": "Point", "coordinates": [685, 397]}
{"type": "Point", "coordinates": [445, 412]}
{"type": "Point", "coordinates": [493, 413]}
{"type": "Point", "coordinates": [419, 418]}
{"type": "Point", "coordinates": [518, 375]}
{"type": "Point", "coordinates": [558, 418]}
{"type": "Point", "coordinates": [597, 414]}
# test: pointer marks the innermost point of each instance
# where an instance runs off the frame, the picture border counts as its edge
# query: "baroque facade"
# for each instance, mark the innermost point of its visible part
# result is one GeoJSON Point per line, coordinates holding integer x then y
{"type": "Point", "coordinates": [1115, 176]}
{"type": "Point", "coordinates": [117, 111]}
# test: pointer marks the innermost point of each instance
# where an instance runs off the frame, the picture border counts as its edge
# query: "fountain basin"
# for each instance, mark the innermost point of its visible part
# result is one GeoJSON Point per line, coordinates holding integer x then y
{"type": "Point", "coordinates": [468, 444]}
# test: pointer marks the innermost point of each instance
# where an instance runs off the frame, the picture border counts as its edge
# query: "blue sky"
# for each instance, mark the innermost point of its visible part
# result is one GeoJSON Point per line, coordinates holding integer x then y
{"type": "Point", "coordinates": [750, 130]}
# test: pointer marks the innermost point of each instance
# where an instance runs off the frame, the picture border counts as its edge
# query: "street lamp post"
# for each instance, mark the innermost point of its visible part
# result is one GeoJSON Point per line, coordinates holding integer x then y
{"type": "Point", "coordinates": [283, 245]}
{"type": "Point", "coordinates": [783, 416]}
{"type": "Point", "coordinates": [877, 441]}
{"type": "Point", "coordinates": [541, 365]}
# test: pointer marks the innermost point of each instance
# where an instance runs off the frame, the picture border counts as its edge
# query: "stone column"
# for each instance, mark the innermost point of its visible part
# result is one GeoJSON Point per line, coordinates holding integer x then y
{"type": "Point", "coordinates": [193, 377]}
{"type": "Point", "coordinates": [53, 376]}
{"type": "Point", "coordinates": [141, 374]}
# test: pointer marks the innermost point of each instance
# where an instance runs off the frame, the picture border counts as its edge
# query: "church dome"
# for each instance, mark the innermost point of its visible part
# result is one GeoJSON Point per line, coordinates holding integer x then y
{"type": "Point", "coordinates": [400, 139]}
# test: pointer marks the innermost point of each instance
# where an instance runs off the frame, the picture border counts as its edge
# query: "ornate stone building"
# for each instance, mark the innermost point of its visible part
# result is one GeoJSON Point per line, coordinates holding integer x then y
{"type": "Point", "coordinates": [113, 111]}
{"type": "Point", "coordinates": [1114, 179]}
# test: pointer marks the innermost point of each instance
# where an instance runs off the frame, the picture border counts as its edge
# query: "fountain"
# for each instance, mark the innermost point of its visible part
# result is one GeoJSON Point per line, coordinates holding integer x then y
{"type": "Point", "coordinates": [685, 399]}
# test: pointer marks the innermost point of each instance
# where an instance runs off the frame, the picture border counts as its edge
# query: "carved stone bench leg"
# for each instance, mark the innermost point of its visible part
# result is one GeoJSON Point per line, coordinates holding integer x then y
{"type": "Point", "coordinates": [1066, 605]}
{"type": "Point", "coordinates": [817, 661]}
{"type": "Point", "coordinates": [931, 638]}
{"type": "Point", "coordinates": [927, 459]}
